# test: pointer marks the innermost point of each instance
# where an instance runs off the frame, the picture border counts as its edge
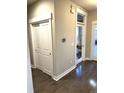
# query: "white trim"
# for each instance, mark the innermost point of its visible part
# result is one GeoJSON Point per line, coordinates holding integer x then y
{"type": "Point", "coordinates": [87, 58]}
{"type": "Point", "coordinates": [56, 78]}
{"type": "Point", "coordinates": [94, 59]}
{"type": "Point", "coordinates": [40, 18]}
{"type": "Point", "coordinates": [94, 23]}
{"type": "Point", "coordinates": [81, 11]}
{"type": "Point", "coordinates": [84, 59]}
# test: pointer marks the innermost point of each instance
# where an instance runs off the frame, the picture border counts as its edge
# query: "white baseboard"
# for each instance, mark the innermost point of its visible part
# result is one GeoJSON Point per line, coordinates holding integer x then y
{"type": "Point", "coordinates": [83, 59]}
{"type": "Point", "coordinates": [87, 58]}
{"type": "Point", "coordinates": [94, 59]}
{"type": "Point", "coordinates": [56, 78]}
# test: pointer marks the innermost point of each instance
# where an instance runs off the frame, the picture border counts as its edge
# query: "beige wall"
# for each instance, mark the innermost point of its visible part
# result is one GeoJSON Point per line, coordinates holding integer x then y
{"type": "Point", "coordinates": [40, 8]}
{"type": "Point", "coordinates": [65, 27]}
{"type": "Point", "coordinates": [92, 16]}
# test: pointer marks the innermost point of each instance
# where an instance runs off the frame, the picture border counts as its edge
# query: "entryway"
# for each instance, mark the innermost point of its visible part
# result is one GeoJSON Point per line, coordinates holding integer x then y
{"type": "Point", "coordinates": [80, 35]}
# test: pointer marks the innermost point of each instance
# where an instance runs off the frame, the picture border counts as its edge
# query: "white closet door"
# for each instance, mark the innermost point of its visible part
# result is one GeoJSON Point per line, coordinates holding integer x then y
{"type": "Point", "coordinates": [35, 42]}
{"type": "Point", "coordinates": [42, 46]}
{"type": "Point", "coordinates": [45, 49]}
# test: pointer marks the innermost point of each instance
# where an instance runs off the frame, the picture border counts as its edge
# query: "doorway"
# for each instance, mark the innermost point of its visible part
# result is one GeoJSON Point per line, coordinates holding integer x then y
{"type": "Point", "coordinates": [42, 45]}
{"type": "Point", "coordinates": [80, 49]}
{"type": "Point", "coordinates": [94, 41]}
{"type": "Point", "coordinates": [80, 35]}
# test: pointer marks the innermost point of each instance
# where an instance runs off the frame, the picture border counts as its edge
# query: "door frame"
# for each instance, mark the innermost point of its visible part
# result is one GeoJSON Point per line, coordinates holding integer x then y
{"type": "Point", "coordinates": [81, 11]}
{"type": "Point", "coordinates": [37, 20]}
{"type": "Point", "coordinates": [94, 23]}
{"type": "Point", "coordinates": [76, 41]}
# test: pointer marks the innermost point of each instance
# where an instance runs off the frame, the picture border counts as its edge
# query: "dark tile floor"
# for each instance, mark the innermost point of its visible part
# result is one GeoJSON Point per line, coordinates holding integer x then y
{"type": "Point", "coordinates": [83, 79]}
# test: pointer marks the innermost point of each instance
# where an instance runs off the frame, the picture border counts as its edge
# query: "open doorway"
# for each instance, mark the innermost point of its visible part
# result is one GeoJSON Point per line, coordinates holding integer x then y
{"type": "Point", "coordinates": [80, 35]}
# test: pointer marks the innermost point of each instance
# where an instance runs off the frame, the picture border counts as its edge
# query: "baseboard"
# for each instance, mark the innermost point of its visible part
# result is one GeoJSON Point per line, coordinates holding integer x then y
{"type": "Point", "coordinates": [87, 58]}
{"type": "Point", "coordinates": [83, 59]}
{"type": "Point", "coordinates": [94, 59]}
{"type": "Point", "coordinates": [56, 78]}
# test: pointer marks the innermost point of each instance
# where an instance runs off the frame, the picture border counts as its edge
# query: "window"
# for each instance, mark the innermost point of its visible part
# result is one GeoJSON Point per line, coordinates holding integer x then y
{"type": "Point", "coordinates": [80, 18]}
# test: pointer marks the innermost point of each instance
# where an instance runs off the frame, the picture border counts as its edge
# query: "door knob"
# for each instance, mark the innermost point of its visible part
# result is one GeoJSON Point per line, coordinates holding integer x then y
{"type": "Point", "coordinates": [50, 53]}
{"type": "Point", "coordinates": [95, 42]}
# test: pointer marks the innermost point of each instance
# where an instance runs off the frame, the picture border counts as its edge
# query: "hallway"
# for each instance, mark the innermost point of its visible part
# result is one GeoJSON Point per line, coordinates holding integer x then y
{"type": "Point", "coordinates": [83, 79]}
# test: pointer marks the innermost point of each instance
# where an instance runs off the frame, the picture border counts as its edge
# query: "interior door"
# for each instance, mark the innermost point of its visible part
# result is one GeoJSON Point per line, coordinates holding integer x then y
{"type": "Point", "coordinates": [45, 49]}
{"type": "Point", "coordinates": [81, 40]}
{"type": "Point", "coordinates": [35, 43]}
{"type": "Point", "coordinates": [42, 42]}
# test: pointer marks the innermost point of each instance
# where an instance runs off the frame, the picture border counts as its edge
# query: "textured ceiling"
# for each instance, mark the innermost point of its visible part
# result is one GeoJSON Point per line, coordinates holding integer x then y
{"type": "Point", "coordinates": [87, 4]}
